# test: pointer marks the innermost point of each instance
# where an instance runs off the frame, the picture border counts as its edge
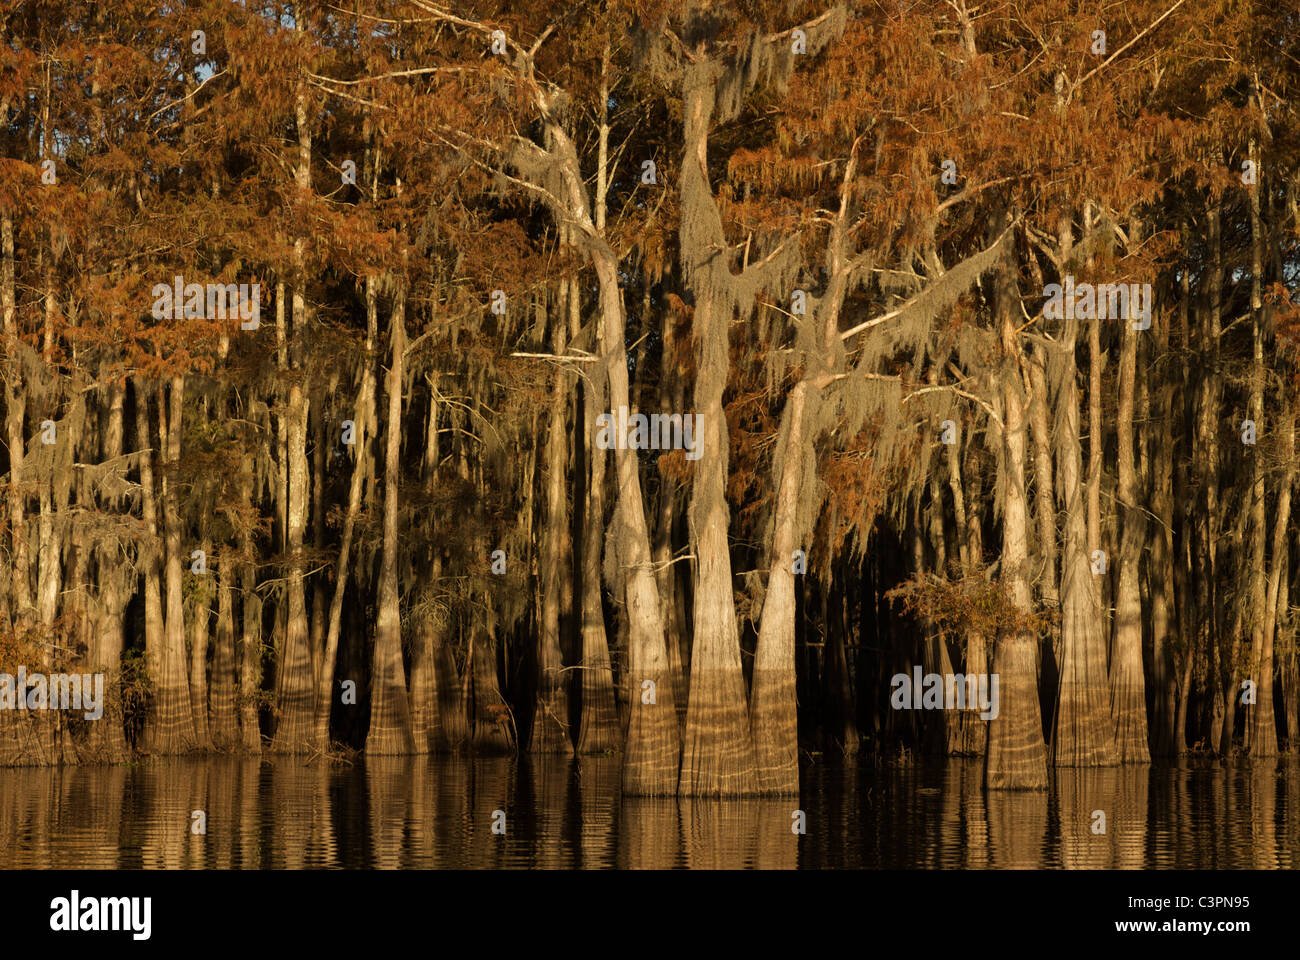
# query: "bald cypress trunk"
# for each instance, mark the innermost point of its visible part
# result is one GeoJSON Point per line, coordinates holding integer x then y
{"type": "Point", "coordinates": [296, 704]}
{"type": "Point", "coordinates": [453, 712]}
{"type": "Point", "coordinates": [106, 737]}
{"type": "Point", "coordinates": [223, 719]}
{"type": "Point", "coordinates": [426, 715]}
{"type": "Point", "coordinates": [1208, 447]}
{"type": "Point", "coordinates": [1016, 757]}
{"type": "Point", "coordinates": [718, 753]}
{"type": "Point", "coordinates": [201, 608]}
{"type": "Point", "coordinates": [1261, 726]}
{"type": "Point", "coordinates": [1160, 534]}
{"type": "Point", "coordinates": [972, 738]}
{"type": "Point", "coordinates": [49, 553]}
{"type": "Point", "coordinates": [250, 642]}
{"type": "Point", "coordinates": [1291, 660]}
{"type": "Point", "coordinates": [671, 398]}
{"type": "Point", "coordinates": [773, 718]}
{"type": "Point", "coordinates": [494, 726]}
{"type": "Point", "coordinates": [1082, 732]}
{"type": "Point", "coordinates": [1263, 731]}
{"type": "Point", "coordinates": [390, 713]}
{"type": "Point", "coordinates": [1127, 684]}
{"type": "Point", "coordinates": [15, 413]}
{"type": "Point", "coordinates": [551, 712]}
{"type": "Point", "coordinates": [773, 714]}
{"type": "Point", "coordinates": [651, 749]}
{"type": "Point", "coordinates": [167, 725]}
{"type": "Point", "coordinates": [430, 630]}
{"type": "Point", "coordinates": [599, 728]}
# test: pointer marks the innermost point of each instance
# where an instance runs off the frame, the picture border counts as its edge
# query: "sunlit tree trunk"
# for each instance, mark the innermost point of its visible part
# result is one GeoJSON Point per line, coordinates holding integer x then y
{"type": "Point", "coordinates": [773, 717]}
{"type": "Point", "coordinates": [1160, 536]}
{"type": "Point", "coordinates": [1263, 734]}
{"type": "Point", "coordinates": [390, 713]}
{"type": "Point", "coordinates": [1016, 758]}
{"type": "Point", "coordinates": [15, 412]}
{"type": "Point", "coordinates": [718, 753]}
{"type": "Point", "coordinates": [599, 730]}
{"type": "Point", "coordinates": [294, 730]}
{"type": "Point", "coordinates": [1083, 734]}
{"type": "Point", "coordinates": [201, 615]}
{"type": "Point", "coordinates": [1127, 684]}
{"type": "Point", "coordinates": [774, 725]}
{"type": "Point", "coordinates": [167, 727]}
{"type": "Point", "coordinates": [222, 717]}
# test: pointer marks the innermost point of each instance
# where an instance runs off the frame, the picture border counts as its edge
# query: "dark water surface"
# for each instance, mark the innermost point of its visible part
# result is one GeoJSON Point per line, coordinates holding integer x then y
{"type": "Point", "coordinates": [389, 813]}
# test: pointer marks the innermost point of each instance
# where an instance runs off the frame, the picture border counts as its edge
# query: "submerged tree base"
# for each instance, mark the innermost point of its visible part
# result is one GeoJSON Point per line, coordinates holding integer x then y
{"type": "Point", "coordinates": [718, 754]}
{"type": "Point", "coordinates": [774, 733]}
{"type": "Point", "coordinates": [650, 758]}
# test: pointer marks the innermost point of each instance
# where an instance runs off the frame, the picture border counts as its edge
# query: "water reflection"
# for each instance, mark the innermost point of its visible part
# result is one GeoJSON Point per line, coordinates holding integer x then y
{"type": "Point", "coordinates": [560, 813]}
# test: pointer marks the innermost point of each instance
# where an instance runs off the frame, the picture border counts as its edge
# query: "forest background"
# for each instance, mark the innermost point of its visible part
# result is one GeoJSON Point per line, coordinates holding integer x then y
{"type": "Point", "coordinates": [381, 519]}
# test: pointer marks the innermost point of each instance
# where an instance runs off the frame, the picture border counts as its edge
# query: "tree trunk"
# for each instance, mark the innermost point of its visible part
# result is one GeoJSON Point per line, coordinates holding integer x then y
{"type": "Point", "coordinates": [551, 711]}
{"type": "Point", "coordinates": [15, 412]}
{"type": "Point", "coordinates": [671, 398]}
{"type": "Point", "coordinates": [1017, 758]}
{"type": "Point", "coordinates": [774, 717]}
{"type": "Point", "coordinates": [390, 713]}
{"type": "Point", "coordinates": [295, 731]}
{"type": "Point", "coordinates": [202, 611]}
{"type": "Point", "coordinates": [106, 737]}
{"type": "Point", "coordinates": [168, 727]}
{"type": "Point", "coordinates": [1083, 734]}
{"type": "Point", "coordinates": [224, 721]}
{"type": "Point", "coordinates": [1127, 684]}
{"type": "Point", "coordinates": [1263, 733]}
{"type": "Point", "coordinates": [1209, 446]}
{"type": "Point", "coordinates": [717, 751]}
{"type": "Point", "coordinates": [494, 727]}
{"type": "Point", "coordinates": [972, 739]}
{"type": "Point", "coordinates": [599, 730]}
{"type": "Point", "coordinates": [250, 643]}
{"type": "Point", "coordinates": [1261, 726]}
{"type": "Point", "coordinates": [1160, 566]}
{"type": "Point", "coordinates": [1290, 663]}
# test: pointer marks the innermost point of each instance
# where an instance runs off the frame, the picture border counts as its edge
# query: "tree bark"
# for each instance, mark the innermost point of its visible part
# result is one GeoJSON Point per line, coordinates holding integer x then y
{"type": "Point", "coordinates": [168, 726]}
{"type": "Point", "coordinates": [598, 731]}
{"type": "Point", "coordinates": [1263, 733]}
{"type": "Point", "coordinates": [1082, 731]}
{"type": "Point", "coordinates": [390, 712]}
{"type": "Point", "coordinates": [717, 750]}
{"type": "Point", "coordinates": [1017, 758]}
{"type": "Point", "coordinates": [551, 710]}
{"type": "Point", "coordinates": [1127, 684]}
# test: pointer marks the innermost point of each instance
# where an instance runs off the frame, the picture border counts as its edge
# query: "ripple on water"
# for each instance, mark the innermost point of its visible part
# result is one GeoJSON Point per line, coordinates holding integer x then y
{"type": "Point", "coordinates": [564, 814]}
